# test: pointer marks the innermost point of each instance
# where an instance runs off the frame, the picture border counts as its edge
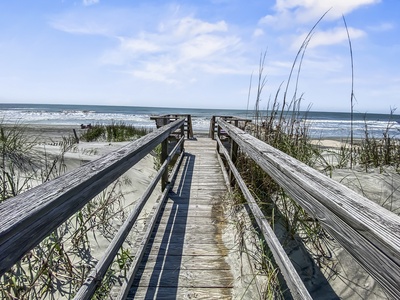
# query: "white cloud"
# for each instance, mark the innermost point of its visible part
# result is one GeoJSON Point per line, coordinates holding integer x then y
{"type": "Point", "coordinates": [176, 47]}
{"type": "Point", "coordinates": [206, 46]}
{"type": "Point", "coordinates": [291, 12]}
{"type": "Point", "coordinates": [80, 23]}
{"type": "Point", "coordinates": [139, 45]}
{"type": "Point", "coordinates": [189, 26]}
{"type": "Point", "coordinates": [90, 2]}
{"type": "Point", "coordinates": [329, 37]}
{"type": "Point", "coordinates": [385, 26]}
{"type": "Point", "coordinates": [258, 32]}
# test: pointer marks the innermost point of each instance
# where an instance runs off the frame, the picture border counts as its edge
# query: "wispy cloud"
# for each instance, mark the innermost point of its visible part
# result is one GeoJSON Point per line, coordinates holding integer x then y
{"type": "Point", "coordinates": [178, 47]}
{"type": "Point", "coordinates": [329, 37]}
{"type": "Point", "coordinates": [288, 13]}
{"type": "Point", "coordinates": [385, 26]}
{"type": "Point", "coordinates": [78, 22]}
{"type": "Point", "coordinates": [90, 2]}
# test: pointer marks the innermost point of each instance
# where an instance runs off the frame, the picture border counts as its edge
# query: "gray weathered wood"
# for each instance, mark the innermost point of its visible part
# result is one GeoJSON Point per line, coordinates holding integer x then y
{"type": "Point", "coordinates": [146, 237]}
{"type": "Point", "coordinates": [369, 232]}
{"type": "Point", "coordinates": [96, 275]}
{"type": "Point", "coordinates": [293, 280]}
{"type": "Point", "coordinates": [186, 251]}
{"type": "Point", "coordinates": [168, 293]}
{"type": "Point", "coordinates": [27, 219]}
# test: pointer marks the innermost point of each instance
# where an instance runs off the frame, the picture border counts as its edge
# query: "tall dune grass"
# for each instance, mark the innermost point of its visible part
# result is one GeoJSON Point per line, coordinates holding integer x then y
{"type": "Point", "coordinates": [58, 266]}
{"type": "Point", "coordinates": [283, 128]}
{"type": "Point", "coordinates": [114, 132]}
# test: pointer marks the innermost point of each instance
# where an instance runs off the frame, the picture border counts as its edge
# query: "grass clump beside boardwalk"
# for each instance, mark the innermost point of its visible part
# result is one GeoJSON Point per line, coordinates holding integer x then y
{"type": "Point", "coordinates": [284, 127]}
{"type": "Point", "coordinates": [381, 152]}
{"type": "Point", "coordinates": [115, 132]}
{"type": "Point", "coordinates": [18, 161]}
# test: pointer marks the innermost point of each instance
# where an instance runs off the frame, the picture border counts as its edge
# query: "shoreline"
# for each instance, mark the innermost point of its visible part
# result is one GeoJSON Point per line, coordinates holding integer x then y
{"type": "Point", "coordinates": [45, 133]}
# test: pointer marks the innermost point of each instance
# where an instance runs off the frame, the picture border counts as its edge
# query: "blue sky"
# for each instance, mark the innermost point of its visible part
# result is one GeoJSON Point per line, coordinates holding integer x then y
{"type": "Point", "coordinates": [198, 54]}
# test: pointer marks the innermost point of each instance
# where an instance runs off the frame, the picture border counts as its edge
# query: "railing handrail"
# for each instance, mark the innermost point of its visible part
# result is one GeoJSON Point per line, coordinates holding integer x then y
{"type": "Point", "coordinates": [25, 220]}
{"type": "Point", "coordinates": [293, 280]}
{"type": "Point", "coordinates": [369, 232]}
{"type": "Point", "coordinates": [234, 119]}
{"type": "Point", "coordinates": [92, 281]}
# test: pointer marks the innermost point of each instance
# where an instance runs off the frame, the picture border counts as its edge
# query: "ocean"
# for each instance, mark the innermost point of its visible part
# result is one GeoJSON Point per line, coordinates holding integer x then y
{"type": "Point", "coordinates": [321, 124]}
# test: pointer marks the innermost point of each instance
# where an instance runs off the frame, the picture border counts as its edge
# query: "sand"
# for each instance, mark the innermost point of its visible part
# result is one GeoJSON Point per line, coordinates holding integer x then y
{"type": "Point", "coordinates": [341, 277]}
{"type": "Point", "coordinates": [346, 277]}
{"type": "Point", "coordinates": [48, 145]}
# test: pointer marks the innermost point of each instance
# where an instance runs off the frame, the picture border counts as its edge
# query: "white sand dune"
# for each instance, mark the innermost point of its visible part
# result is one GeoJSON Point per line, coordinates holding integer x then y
{"type": "Point", "coordinates": [348, 279]}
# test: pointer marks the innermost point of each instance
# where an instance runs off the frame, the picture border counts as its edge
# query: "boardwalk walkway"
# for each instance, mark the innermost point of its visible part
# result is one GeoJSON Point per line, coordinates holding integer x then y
{"type": "Point", "coordinates": [186, 255]}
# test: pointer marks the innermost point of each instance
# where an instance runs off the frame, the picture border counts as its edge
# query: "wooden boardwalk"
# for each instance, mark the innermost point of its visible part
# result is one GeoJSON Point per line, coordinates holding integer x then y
{"type": "Point", "coordinates": [185, 258]}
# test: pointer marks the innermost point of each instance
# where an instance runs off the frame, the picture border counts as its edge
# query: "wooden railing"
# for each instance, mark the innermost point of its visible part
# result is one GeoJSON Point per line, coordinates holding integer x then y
{"type": "Point", "coordinates": [369, 232]}
{"type": "Point", "coordinates": [163, 120]}
{"type": "Point", "coordinates": [238, 122]}
{"type": "Point", "coordinates": [28, 218]}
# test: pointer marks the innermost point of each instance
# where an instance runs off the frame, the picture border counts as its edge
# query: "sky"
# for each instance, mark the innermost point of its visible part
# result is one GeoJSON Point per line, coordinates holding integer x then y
{"type": "Point", "coordinates": [201, 54]}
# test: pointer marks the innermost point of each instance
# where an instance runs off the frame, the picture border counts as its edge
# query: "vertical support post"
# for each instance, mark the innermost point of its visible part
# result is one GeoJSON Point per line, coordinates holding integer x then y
{"type": "Point", "coordinates": [76, 136]}
{"type": "Point", "coordinates": [234, 154]}
{"type": "Point", "coordinates": [164, 155]}
{"type": "Point", "coordinates": [189, 127]}
{"type": "Point", "coordinates": [212, 128]}
{"type": "Point", "coordinates": [219, 136]}
{"type": "Point", "coordinates": [183, 135]}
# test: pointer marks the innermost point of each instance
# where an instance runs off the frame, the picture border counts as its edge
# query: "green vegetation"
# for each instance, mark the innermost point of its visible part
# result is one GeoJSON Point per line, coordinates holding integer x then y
{"type": "Point", "coordinates": [379, 153]}
{"type": "Point", "coordinates": [58, 266]}
{"type": "Point", "coordinates": [282, 128]}
{"type": "Point", "coordinates": [18, 161]}
{"type": "Point", "coordinates": [115, 132]}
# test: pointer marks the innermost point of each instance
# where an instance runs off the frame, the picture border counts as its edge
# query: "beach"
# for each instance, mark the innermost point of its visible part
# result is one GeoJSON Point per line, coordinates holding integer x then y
{"type": "Point", "coordinates": [382, 186]}
{"type": "Point", "coordinates": [345, 276]}
{"type": "Point", "coordinates": [104, 214]}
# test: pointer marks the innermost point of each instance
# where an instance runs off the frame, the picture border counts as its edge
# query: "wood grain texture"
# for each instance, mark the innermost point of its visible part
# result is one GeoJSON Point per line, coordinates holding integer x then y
{"type": "Point", "coordinates": [293, 280]}
{"type": "Point", "coordinates": [169, 293]}
{"type": "Point", "coordinates": [97, 273]}
{"type": "Point", "coordinates": [186, 254]}
{"type": "Point", "coordinates": [27, 219]}
{"type": "Point", "coordinates": [369, 232]}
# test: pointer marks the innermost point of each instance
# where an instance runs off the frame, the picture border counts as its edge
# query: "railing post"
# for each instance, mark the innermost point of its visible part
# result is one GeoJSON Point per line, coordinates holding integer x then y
{"type": "Point", "coordinates": [219, 136]}
{"type": "Point", "coordinates": [164, 155]}
{"type": "Point", "coordinates": [182, 135]}
{"type": "Point", "coordinates": [234, 155]}
{"type": "Point", "coordinates": [212, 128]}
{"type": "Point", "coordinates": [189, 126]}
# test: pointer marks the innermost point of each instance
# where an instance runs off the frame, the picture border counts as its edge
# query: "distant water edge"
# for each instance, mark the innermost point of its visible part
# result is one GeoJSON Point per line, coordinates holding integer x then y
{"type": "Point", "coordinates": [321, 124]}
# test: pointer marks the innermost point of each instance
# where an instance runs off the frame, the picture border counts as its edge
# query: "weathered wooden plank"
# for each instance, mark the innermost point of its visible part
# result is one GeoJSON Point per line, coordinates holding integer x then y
{"type": "Point", "coordinates": [28, 218]}
{"type": "Point", "coordinates": [180, 293]}
{"type": "Point", "coordinates": [185, 278]}
{"type": "Point", "coordinates": [188, 249]}
{"type": "Point", "coordinates": [196, 220]}
{"type": "Point", "coordinates": [193, 207]}
{"type": "Point", "coordinates": [177, 212]}
{"type": "Point", "coordinates": [186, 262]}
{"type": "Point", "coordinates": [189, 227]}
{"type": "Point", "coordinates": [369, 232]}
{"type": "Point", "coordinates": [201, 238]}
{"type": "Point", "coordinates": [205, 198]}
